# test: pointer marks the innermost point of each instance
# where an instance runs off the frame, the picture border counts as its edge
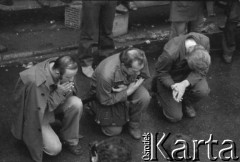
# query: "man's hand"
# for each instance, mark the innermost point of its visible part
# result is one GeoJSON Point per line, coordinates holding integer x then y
{"type": "Point", "coordinates": [65, 88]}
{"type": "Point", "coordinates": [179, 90]}
{"type": "Point", "coordinates": [134, 86]}
{"type": "Point", "coordinates": [119, 88]}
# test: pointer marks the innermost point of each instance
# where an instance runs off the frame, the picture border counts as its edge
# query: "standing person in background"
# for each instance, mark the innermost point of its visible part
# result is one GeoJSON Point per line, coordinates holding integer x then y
{"type": "Point", "coordinates": [210, 8]}
{"type": "Point", "coordinates": [185, 17]}
{"type": "Point", "coordinates": [229, 32]}
{"type": "Point", "coordinates": [96, 32]}
{"type": "Point", "coordinates": [6, 3]}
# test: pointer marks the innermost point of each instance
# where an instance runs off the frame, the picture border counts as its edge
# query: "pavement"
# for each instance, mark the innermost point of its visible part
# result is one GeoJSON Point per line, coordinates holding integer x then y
{"type": "Point", "coordinates": [218, 114]}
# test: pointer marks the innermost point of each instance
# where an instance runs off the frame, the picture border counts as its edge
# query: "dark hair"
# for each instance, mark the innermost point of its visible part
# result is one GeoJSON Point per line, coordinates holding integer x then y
{"type": "Point", "coordinates": [113, 149]}
{"type": "Point", "coordinates": [130, 55]}
{"type": "Point", "coordinates": [199, 60]}
{"type": "Point", "coordinates": [63, 63]}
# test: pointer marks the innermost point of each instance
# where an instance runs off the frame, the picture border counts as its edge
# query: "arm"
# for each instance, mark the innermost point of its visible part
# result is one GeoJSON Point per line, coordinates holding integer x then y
{"type": "Point", "coordinates": [194, 78]}
{"type": "Point", "coordinates": [163, 66]}
{"type": "Point", "coordinates": [105, 94]}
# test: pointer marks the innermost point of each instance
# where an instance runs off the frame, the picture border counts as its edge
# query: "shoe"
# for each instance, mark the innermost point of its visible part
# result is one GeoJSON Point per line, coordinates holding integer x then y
{"type": "Point", "coordinates": [121, 9]}
{"type": "Point", "coordinates": [227, 59]}
{"type": "Point", "coordinates": [6, 2]}
{"type": "Point", "coordinates": [135, 131]}
{"type": "Point", "coordinates": [190, 111]}
{"type": "Point", "coordinates": [87, 71]}
{"type": "Point", "coordinates": [3, 48]}
{"type": "Point", "coordinates": [74, 149]}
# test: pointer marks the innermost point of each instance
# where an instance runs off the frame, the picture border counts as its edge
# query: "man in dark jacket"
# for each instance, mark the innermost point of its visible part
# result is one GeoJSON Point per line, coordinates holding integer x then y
{"type": "Point", "coordinates": [41, 92]}
{"type": "Point", "coordinates": [185, 17]}
{"type": "Point", "coordinates": [229, 34]}
{"type": "Point", "coordinates": [181, 71]}
{"type": "Point", "coordinates": [120, 96]}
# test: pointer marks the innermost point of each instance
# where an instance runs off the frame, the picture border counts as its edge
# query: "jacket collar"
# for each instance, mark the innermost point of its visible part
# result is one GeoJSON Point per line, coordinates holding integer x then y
{"type": "Point", "coordinates": [43, 73]}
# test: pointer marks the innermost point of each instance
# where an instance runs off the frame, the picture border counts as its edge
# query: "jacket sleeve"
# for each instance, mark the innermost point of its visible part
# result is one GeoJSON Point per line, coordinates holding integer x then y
{"type": "Point", "coordinates": [163, 67]}
{"type": "Point", "coordinates": [194, 78]}
{"type": "Point", "coordinates": [105, 94]}
{"type": "Point", "coordinates": [55, 99]}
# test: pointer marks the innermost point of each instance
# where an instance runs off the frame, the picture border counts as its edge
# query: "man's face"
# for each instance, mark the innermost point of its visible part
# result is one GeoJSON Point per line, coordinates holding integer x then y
{"type": "Point", "coordinates": [135, 69]}
{"type": "Point", "coordinates": [68, 76]}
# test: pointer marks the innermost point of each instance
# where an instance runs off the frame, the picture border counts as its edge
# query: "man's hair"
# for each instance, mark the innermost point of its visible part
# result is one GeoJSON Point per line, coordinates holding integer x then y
{"type": "Point", "coordinates": [113, 149]}
{"type": "Point", "coordinates": [65, 62]}
{"type": "Point", "coordinates": [199, 60]}
{"type": "Point", "coordinates": [130, 55]}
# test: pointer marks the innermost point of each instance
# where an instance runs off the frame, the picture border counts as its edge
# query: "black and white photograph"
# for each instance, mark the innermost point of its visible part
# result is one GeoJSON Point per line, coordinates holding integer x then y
{"type": "Point", "coordinates": [119, 80]}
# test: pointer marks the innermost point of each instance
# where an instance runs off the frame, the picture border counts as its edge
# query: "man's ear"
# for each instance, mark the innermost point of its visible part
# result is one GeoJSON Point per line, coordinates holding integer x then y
{"type": "Point", "coordinates": [57, 71]}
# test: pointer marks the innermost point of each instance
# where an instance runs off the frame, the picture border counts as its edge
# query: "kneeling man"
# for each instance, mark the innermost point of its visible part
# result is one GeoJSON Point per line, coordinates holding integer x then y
{"type": "Point", "coordinates": [120, 95]}
{"type": "Point", "coordinates": [181, 74]}
{"type": "Point", "coordinates": [41, 92]}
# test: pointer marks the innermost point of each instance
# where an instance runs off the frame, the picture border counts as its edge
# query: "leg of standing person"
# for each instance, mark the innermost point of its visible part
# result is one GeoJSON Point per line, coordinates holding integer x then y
{"type": "Point", "coordinates": [89, 35]}
{"type": "Point", "coordinates": [177, 28]}
{"type": "Point", "coordinates": [229, 40]}
{"type": "Point", "coordinates": [196, 25]}
{"type": "Point", "coordinates": [210, 8]}
{"type": "Point", "coordinates": [89, 29]}
{"type": "Point", "coordinates": [106, 43]}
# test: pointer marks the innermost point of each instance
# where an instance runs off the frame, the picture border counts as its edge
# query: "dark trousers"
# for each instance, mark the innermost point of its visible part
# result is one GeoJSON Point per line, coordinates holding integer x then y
{"type": "Point", "coordinates": [172, 109]}
{"type": "Point", "coordinates": [97, 25]}
{"type": "Point", "coordinates": [183, 27]}
{"type": "Point", "coordinates": [230, 30]}
{"type": "Point", "coordinates": [229, 38]}
{"type": "Point", "coordinates": [138, 102]}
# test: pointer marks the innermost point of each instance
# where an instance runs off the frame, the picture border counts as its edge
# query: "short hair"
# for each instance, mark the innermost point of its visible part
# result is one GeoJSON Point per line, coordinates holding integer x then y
{"type": "Point", "coordinates": [130, 55]}
{"type": "Point", "coordinates": [199, 60]}
{"type": "Point", "coordinates": [65, 62]}
{"type": "Point", "coordinates": [113, 149]}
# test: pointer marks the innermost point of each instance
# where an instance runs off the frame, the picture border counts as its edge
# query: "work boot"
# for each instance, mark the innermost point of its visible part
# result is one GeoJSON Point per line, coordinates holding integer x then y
{"type": "Point", "coordinates": [190, 111]}
{"type": "Point", "coordinates": [3, 48]}
{"type": "Point", "coordinates": [74, 149]}
{"type": "Point", "coordinates": [227, 59]}
{"type": "Point", "coordinates": [6, 2]}
{"type": "Point", "coordinates": [134, 130]}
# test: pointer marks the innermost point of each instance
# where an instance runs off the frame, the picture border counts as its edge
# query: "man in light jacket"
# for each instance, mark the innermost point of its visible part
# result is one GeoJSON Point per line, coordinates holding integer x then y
{"type": "Point", "coordinates": [41, 92]}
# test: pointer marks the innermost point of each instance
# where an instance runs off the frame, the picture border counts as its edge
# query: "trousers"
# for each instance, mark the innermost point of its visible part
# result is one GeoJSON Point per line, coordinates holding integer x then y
{"type": "Point", "coordinates": [182, 27]}
{"type": "Point", "coordinates": [97, 25]}
{"type": "Point", "coordinates": [72, 109]}
{"type": "Point", "coordinates": [173, 109]}
{"type": "Point", "coordinates": [139, 101]}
